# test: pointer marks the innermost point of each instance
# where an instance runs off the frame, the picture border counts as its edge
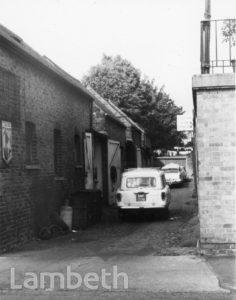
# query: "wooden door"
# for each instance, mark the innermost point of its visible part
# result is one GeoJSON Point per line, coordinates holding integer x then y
{"type": "Point", "coordinates": [114, 169]}
{"type": "Point", "coordinates": [88, 160]}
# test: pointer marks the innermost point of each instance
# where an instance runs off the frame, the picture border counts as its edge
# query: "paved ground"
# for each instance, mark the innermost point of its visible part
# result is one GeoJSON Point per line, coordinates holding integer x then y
{"type": "Point", "coordinates": [225, 269]}
{"type": "Point", "coordinates": [119, 295]}
{"type": "Point", "coordinates": [153, 254]}
{"type": "Point", "coordinates": [136, 236]}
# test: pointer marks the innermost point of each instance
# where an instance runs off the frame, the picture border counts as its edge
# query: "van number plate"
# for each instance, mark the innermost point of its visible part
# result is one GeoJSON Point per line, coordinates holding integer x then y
{"type": "Point", "coordinates": [140, 197]}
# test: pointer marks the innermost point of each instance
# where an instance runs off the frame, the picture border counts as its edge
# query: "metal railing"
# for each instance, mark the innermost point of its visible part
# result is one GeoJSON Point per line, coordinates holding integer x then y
{"type": "Point", "coordinates": [218, 46]}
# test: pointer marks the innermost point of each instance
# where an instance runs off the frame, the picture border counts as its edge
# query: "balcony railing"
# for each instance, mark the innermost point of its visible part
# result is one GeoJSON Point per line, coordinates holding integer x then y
{"type": "Point", "coordinates": [218, 46]}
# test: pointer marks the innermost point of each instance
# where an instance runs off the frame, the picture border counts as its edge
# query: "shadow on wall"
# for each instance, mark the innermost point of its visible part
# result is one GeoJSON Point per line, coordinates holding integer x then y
{"type": "Point", "coordinates": [131, 155]}
{"type": "Point", "coordinates": [48, 195]}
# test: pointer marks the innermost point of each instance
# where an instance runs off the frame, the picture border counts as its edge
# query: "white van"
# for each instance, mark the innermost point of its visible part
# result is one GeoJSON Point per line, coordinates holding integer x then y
{"type": "Point", "coordinates": [143, 188]}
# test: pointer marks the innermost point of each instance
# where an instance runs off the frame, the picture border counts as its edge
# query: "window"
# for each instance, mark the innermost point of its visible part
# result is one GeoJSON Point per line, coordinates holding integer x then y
{"type": "Point", "coordinates": [58, 165]}
{"type": "Point", "coordinates": [163, 180]}
{"type": "Point", "coordinates": [31, 143]}
{"type": "Point", "coordinates": [135, 182]}
{"type": "Point", "coordinates": [77, 149]}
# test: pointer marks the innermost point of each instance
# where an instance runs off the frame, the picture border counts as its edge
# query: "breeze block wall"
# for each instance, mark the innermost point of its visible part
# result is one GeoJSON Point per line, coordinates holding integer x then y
{"type": "Point", "coordinates": [215, 131]}
{"type": "Point", "coordinates": [30, 92]}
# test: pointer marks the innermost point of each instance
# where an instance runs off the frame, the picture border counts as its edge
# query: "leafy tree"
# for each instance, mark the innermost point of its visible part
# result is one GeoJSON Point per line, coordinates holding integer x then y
{"type": "Point", "coordinates": [115, 79]}
{"type": "Point", "coordinates": [118, 80]}
{"type": "Point", "coordinates": [229, 31]}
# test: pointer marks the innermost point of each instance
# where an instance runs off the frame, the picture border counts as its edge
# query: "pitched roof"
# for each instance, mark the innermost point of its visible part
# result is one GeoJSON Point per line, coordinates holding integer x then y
{"type": "Point", "coordinates": [123, 115]}
{"type": "Point", "coordinates": [114, 110]}
{"type": "Point", "coordinates": [104, 105]}
{"type": "Point", "coordinates": [16, 43]}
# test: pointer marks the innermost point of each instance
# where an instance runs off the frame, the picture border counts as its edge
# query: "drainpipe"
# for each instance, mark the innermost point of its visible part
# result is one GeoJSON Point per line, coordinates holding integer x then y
{"type": "Point", "coordinates": [205, 39]}
{"type": "Point", "coordinates": [207, 13]}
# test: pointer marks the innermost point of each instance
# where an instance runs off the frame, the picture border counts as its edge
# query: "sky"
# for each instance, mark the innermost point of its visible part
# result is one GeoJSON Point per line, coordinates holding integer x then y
{"type": "Point", "coordinates": [161, 38]}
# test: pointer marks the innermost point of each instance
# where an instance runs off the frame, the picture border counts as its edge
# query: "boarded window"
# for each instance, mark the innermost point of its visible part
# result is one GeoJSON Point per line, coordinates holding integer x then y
{"type": "Point", "coordinates": [77, 145]}
{"type": "Point", "coordinates": [58, 165]}
{"type": "Point", "coordinates": [31, 143]}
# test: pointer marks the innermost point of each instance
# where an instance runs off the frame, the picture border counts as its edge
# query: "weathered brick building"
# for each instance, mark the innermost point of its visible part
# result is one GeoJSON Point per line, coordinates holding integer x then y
{"type": "Point", "coordinates": [109, 144]}
{"type": "Point", "coordinates": [137, 147]}
{"type": "Point", "coordinates": [44, 113]}
{"type": "Point", "coordinates": [119, 143]}
{"type": "Point", "coordinates": [214, 99]}
{"type": "Point", "coordinates": [215, 133]}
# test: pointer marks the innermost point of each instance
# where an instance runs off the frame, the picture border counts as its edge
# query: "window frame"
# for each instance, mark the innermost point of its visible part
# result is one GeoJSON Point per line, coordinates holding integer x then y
{"type": "Point", "coordinates": [58, 153]}
{"type": "Point", "coordinates": [31, 145]}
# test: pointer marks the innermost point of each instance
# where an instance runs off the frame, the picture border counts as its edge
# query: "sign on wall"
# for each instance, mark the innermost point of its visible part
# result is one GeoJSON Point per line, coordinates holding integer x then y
{"type": "Point", "coordinates": [6, 141]}
{"type": "Point", "coordinates": [184, 123]}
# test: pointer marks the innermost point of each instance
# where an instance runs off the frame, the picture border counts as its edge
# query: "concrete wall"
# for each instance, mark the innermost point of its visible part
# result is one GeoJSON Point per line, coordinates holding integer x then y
{"type": "Point", "coordinates": [29, 193]}
{"type": "Point", "coordinates": [215, 130]}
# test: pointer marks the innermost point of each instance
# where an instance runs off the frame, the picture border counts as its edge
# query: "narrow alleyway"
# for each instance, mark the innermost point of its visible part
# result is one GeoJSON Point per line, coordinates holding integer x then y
{"type": "Point", "coordinates": [158, 257]}
{"type": "Point", "coordinates": [142, 235]}
{"type": "Point", "coordinates": [137, 235]}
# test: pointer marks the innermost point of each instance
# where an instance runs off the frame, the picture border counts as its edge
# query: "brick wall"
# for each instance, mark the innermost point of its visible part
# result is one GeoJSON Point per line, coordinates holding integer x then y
{"type": "Point", "coordinates": [28, 193]}
{"type": "Point", "coordinates": [215, 109]}
{"type": "Point", "coordinates": [98, 118]}
{"type": "Point", "coordinates": [137, 137]}
{"type": "Point", "coordinates": [103, 122]}
{"type": "Point", "coordinates": [115, 131]}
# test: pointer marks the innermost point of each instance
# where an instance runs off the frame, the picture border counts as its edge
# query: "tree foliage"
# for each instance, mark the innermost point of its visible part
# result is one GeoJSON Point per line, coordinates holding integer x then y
{"type": "Point", "coordinates": [229, 31]}
{"type": "Point", "coordinates": [118, 80]}
{"type": "Point", "coordinates": [115, 79]}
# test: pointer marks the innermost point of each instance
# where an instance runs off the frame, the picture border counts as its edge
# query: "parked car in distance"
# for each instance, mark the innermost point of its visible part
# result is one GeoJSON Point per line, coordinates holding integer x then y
{"type": "Point", "coordinates": [174, 174]}
{"type": "Point", "coordinates": [185, 151]}
{"type": "Point", "coordinates": [172, 152]}
{"type": "Point", "coordinates": [143, 188]}
{"type": "Point", "coordinates": [157, 152]}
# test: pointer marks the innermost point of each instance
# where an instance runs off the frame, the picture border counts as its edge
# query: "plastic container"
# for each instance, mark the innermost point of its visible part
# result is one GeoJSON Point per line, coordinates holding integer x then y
{"type": "Point", "coordinates": [66, 214]}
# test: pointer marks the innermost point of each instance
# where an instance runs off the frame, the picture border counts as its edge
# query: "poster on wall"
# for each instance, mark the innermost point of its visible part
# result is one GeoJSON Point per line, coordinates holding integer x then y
{"type": "Point", "coordinates": [6, 141]}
